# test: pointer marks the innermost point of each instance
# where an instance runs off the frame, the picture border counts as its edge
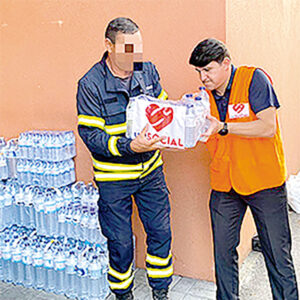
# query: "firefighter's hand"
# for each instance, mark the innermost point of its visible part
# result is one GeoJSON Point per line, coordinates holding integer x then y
{"type": "Point", "coordinates": [142, 144]}
{"type": "Point", "coordinates": [215, 126]}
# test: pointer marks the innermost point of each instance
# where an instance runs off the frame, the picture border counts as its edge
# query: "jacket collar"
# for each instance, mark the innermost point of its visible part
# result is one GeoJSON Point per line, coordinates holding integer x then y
{"type": "Point", "coordinates": [113, 85]}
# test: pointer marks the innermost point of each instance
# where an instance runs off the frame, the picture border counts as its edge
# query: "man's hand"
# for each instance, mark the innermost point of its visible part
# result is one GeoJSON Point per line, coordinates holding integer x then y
{"type": "Point", "coordinates": [142, 144]}
{"type": "Point", "coordinates": [215, 126]}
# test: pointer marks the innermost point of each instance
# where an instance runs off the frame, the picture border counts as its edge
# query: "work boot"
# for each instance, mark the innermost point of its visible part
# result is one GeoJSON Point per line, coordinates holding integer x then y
{"type": "Point", "coordinates": [160, 294]}
{"type": "Point", "coordinates": [126, 296]}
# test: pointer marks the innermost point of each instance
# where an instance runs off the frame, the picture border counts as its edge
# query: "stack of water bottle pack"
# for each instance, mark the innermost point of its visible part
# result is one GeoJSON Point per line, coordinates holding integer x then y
{"type": "Point", "coordinates": [70, 211]}
{"type": "Point", "coordinates": [45, 158]}
{"type": "Point", "coordinates": [62, 266]}
{"type": "Point", "coordinates": [48, 221]}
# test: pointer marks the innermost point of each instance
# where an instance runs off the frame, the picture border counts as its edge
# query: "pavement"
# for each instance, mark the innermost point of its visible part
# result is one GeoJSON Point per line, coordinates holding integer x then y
{"type": "Point", "coordinates": [254, 283]}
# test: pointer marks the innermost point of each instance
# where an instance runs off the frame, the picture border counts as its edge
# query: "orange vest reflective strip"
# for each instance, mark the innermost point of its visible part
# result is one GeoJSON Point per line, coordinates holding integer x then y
{"type": "Point", "coordinates": [247, 165]}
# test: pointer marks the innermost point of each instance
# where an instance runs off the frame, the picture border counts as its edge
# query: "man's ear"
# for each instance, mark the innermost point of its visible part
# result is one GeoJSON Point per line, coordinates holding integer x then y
{"type": "Point", "coordinates": [108, 45]}
{"type": "Point", "coordinates": [226, 63]}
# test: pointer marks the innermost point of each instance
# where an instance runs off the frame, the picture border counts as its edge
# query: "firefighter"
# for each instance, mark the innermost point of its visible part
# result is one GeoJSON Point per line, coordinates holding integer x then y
{"type": "Point", "coordinates": [126, 167]}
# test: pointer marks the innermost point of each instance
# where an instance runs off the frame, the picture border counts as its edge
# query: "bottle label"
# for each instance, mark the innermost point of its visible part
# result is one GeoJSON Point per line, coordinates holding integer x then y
{"type": "Point", "coordinates": [17, 258]}
{"type": "Point", "coordinates": [38, 262]}
{"type": "Point", "coordinates": [48, 264]}
{"type": "Point", "coordinates": [27, 260]}
{"type": "Point", "coordinates": [59, 266]}
{"type": "Point", "coordinates": [6, 255]}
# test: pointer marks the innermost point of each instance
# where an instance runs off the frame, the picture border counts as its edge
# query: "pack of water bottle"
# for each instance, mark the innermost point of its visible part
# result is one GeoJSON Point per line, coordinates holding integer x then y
{"type": "Point", "coordinates": [47, 145]}
{"type": "Point", "coordinates": [8, 156]}
{"type": "Point", "coordinates": [181, 123]}
{"type": "Point", "coordinates": [293, 192]}
{"type": "Point", "coordinates": [62, 266]}
{"type": "Point", "coordinates": [46, 173]}
{"type": "Point", "coordinates": [71, 211]}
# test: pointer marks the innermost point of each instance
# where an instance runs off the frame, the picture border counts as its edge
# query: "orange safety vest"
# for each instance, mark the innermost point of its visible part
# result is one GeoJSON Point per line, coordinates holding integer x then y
{"type": "Point", "coordinates": [247, 165]}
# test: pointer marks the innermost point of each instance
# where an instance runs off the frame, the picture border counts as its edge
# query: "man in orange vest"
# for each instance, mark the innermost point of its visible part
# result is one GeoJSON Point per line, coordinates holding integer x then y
{"type": "Point", "coordinates": [247, 169]}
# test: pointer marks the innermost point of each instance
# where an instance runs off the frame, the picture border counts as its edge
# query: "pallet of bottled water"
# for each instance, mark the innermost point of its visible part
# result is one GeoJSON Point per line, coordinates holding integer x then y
{"type": "Point", "coordinates": [70, 211]}
{"type": "Point", "coordinates": [59, 265]}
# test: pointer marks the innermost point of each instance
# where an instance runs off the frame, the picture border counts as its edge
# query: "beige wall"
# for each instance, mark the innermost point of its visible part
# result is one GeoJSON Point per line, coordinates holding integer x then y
{"type": "Point", "coordinates": [47, 45]}
{"type": "Point", "coordinates": [266, 34]}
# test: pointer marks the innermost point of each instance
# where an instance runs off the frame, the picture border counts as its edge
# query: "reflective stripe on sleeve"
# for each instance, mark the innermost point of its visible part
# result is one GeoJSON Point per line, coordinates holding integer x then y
{"type": "Point", "coordinates": [163, 95]}
{"type": "Point", "coordinates": [112, 146]}
{"type": "Point", "coordinates": [91, 121]}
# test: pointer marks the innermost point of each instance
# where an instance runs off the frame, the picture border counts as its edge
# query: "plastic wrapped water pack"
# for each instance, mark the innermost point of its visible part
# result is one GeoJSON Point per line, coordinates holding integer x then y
{"type": "Point", "coordinates": [293, 190]}
{"type": "Point", "coordinates": [180, 122]}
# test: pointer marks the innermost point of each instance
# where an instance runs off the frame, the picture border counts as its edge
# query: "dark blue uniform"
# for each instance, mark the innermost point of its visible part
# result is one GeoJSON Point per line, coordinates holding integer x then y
{"type": "Point", "coordinates": [121, 173]}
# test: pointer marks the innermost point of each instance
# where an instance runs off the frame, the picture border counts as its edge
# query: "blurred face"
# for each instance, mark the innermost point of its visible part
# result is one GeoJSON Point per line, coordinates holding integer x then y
{"type": "Point", "coordinates": [215, 75]}
{"type": "Point", "coordinates": [127, 49]}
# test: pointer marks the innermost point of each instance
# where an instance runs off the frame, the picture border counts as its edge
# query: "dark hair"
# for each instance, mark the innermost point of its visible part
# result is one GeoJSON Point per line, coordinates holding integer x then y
{"type": "Point", "coordinates": [123, 25]}
{"type": "Point", "coordinates": [207, 51]}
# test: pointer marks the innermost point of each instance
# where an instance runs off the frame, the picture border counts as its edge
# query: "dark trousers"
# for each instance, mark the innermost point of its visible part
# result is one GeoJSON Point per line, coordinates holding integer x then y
{"type": "Point", "coordinates": [151, 196]}
{"type": "Point", "coordinates": [269, 210]}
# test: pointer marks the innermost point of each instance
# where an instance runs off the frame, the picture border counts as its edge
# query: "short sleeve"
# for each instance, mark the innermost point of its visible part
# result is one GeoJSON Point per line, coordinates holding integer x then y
{"type": "Point", "coordinates": [261, 92]}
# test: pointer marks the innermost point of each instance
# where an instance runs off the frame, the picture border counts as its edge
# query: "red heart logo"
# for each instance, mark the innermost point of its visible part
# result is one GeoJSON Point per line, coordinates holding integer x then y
{"type": "Point", "coordinates": [238, 107]}
{"type": "Point", "coordinates": [158, 117]}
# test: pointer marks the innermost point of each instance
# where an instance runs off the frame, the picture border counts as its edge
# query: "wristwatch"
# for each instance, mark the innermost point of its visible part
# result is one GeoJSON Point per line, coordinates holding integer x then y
{"type": "Point", "coordinates": [224, 130]}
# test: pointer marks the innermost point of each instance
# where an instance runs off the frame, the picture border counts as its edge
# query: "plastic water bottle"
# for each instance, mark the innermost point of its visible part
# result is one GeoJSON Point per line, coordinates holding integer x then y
{"type": "Point", "coordinates": [95, 272]}
{"type": "Point", "coordinates": [70, 144]}
{"type": "Point", "coordinates": [50, 208]}
{"type": "Point", "coordinates": [190, 126]}
{"type": "Point", "coordinates": [39, 206]}
{"type": "Point", "coordinates": [49, 268]}
{"type": "Point", "coordinates": [2, 244]}
{"type": "Point", "coordinates": [71, 276]}
{"type": "Point", "coordinates": [130, 111]}
{"type": "Point", "coordinates": [82, 277]}
{"type": "Point", "coordinates": [18, 267]}
{"type": "Point", "coordinates": [28, 267]}
{"type": "Point", "coordinates": [2, 143]}
{"type": "Point", "coordinates": [93, 227]}
{"type": "Point", "coordinates": [7, 210]}
{"type": "Point", "coordinates": [39, 271]}
{"type": "Point", "coordinates": [206, 107]}
{"type": "Point", "coordinates": [104, 269]}
{"type": "Point", "coordinates": [7, 265]}
{"type": "Point", "coordinates": [59, 267]}
{"type": "Point", "coordinates": [29, 209]}
{"type": "Point", "coordinates": [2, 205]}
{"type": "Point", "coordinates": [10, 151]}
{"type": "Point", "coordinates": [3, 167]}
